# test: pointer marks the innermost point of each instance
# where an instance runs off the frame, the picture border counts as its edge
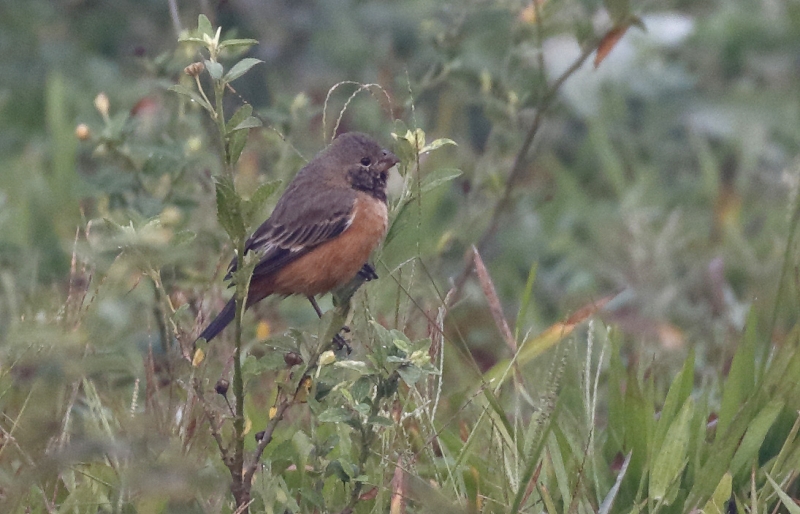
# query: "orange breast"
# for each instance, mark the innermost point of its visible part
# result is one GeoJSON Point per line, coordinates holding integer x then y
{"type": "Point", "coordinates": [337, 261]}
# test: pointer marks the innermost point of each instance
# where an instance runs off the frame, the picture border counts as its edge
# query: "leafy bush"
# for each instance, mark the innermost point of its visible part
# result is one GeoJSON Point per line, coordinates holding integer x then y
{"type": "Point", "coordinates": [638, 218]}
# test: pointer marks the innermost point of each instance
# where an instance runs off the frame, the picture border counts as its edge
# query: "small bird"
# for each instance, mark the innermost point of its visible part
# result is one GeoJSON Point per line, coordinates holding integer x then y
{"type": "Point", "coordinates": [325, 226]}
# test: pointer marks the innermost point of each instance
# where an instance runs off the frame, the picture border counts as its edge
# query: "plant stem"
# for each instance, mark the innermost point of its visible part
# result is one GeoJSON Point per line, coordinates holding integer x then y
{"type": "Point", "coordinates": [518, 167]}
{"type": "Point", "coordinates": [240, 488]}
{"type": "Point", "coordinates": [219, 91]}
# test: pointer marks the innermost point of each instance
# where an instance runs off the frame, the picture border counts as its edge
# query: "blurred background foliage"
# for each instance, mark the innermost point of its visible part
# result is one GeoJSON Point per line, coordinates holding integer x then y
{"type": "Point", "coordinates": [667, 174]}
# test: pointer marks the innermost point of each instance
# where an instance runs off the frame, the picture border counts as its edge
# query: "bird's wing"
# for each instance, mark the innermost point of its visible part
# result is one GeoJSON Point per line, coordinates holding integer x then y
{"type": "Point", "coordinates": [293, 230]}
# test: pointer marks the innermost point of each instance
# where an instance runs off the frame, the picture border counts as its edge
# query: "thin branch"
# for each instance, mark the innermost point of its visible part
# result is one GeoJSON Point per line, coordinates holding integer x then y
{"type": "Point", "coordinates": [213, 421]}
{"type": "Point", "coordinates": [266, 438]}
{"type": "Point", "coordinates": [342, 297]}
{"type": "Point", "coordinates": [519, 167]}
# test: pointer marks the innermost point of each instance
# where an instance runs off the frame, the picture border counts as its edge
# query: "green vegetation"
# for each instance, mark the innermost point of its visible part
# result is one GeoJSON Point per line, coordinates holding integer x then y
{"type": "Point", "coordinates": [587, 298]}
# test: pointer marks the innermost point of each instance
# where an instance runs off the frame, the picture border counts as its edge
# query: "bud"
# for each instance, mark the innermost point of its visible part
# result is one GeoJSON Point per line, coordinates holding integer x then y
{"type": "Point", "coordinates": [221, 387]}
{"type": "Point", "coordinates": [199, 355]}
{"type": "Point", "coordinates": [102, 104]}
{"type": "Point", "coordinates": [170, 216]}
{"type": "Point", "coordinates": [262, 330]}
{"type": "Point", "coordinates": [194, 69]}
{"type": "Point", "coordinates": [292, 359]}
{"type": "Point", "coordinates": [326, 358]}
{"type": "Point", "coordinates": [82, 132]}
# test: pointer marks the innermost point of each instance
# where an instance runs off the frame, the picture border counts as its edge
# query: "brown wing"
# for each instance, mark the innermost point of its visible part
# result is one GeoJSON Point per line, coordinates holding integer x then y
{"type": "Point", "coordinates": [295, 228]}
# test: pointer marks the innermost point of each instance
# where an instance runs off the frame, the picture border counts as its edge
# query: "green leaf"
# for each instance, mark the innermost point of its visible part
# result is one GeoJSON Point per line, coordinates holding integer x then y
{"type": "Point", "coordinates": [558, 452]}
{"type": "Point", "coordinates": [442, 141]}
{"type": "Point", "coordinates": [117, 129]}
{"type": "Point", "coordinates": [190, 39]}
{"type": "Point", "coordinates": [786, 500]}
{"type": "Point", "coordinates": [248, 123]}
{"type": "Point", "coordinates": [402, 345]}
{"type": "Point", "coordinates": [351, 365]}
{"type": "Point", "coordinates": [672, 456]}
{"type": "Point", "coordinates": [533, 459]}
{"type": "Point", "coordinates": [303, 445]}
{"type": "Point", "coordinates": [204, 26]}
{"type": "Point", "coordinates": [410, 374]}
{"type": "Point", "coordinates": [183, 237]}
{"type": "Point", "coordinates": [400, 220]}
{"type": "Point", "coordinates": [240, 68]}
{"type": "Point", "coordinates": [716, 504]}
{"type": "Point", "coordinates": [380, 421]}
{"type": "Point", "coordinates": [741, 377]}
{"type": "Point", "coordinates": [215, 69]}
{"type": "Point", "coordinates": [192, 95]}
{"type": "Point", "coordinates": [361, 388]}
{"type": "Point", "coordinates": [405, 147]}
{"type": "Point", "coordinates": [754, 437]}
{"type": "Point", "coordinates": [608, 501]}
{"type": "Point", "coordinates": [439, 177]}
{"type": "Point", "coordinates": [720, 454]}
{"type": "Point", "coordinates": [362, 408]}
{"type": "Point", "coordinates": [334, 415]}
{"type": "Point", "coordinates": [336, 469]}
{"type": "Point", "coordinates": [256, 202]}
{"type": "Point", "coordinates": [637, 420]}
{"type": "Point", "coordinates": [236, 139]}
{"type": "Point", "coordinates": [241, 114]}
{"type": "Point", "coordinates": [229, 208]}
{"type": "Point", "coordinates": [785, 455]}
{"type": "Point", "coordinates": [238, 42]}
{"type": "Point", "coordinates": [526, 298]}
{"type": "Point", "coordinates": [384, 336]}
{"type": "Point", "coordinates": [679, 391]}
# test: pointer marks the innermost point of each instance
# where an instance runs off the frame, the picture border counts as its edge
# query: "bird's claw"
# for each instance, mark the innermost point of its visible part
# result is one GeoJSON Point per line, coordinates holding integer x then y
{"type": "Point", "coordinates": [367, 272]}
{"type": "Point", "coordinates": [340, 342]}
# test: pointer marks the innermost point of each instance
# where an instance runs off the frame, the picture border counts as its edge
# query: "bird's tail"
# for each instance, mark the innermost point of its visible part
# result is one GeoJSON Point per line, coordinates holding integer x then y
{"type": "Point", "coordinates": [221, 321]}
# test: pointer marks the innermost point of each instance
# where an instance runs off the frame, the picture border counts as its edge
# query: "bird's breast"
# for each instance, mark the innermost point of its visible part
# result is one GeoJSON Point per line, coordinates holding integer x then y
{"type": "Point", "coordinates": [336, 262]}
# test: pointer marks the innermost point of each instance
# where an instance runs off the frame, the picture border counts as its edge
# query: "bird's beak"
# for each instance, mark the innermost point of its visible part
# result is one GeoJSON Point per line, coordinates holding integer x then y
{"type": "Point", "coordinates": [388, 160]}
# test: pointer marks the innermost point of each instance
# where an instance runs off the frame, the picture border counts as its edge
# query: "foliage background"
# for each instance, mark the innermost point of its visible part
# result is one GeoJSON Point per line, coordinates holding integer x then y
{"type": "Point", "coordinates": [668, 173]}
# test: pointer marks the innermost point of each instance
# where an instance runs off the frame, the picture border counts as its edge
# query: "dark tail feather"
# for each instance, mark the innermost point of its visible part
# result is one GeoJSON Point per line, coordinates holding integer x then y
{"type": "Point", "coordinates": [221, 321]}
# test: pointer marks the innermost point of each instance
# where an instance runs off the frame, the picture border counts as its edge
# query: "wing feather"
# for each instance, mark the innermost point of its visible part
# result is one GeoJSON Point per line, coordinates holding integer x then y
{"type": "Point", "coordinates": [289, 234]}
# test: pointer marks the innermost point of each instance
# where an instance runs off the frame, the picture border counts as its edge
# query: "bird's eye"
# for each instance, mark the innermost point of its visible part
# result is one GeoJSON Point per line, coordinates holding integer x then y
{"type": "Point", "coordinates": [366, 161]}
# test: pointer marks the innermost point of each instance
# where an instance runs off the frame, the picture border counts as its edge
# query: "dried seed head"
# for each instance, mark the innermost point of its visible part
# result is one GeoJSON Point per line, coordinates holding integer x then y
{"type": "Point", "coordinates": [221, 387]}
{"type": "Point", "coordinates": [292, 359]}
{"type": "Point", "coordinates": [194, 69]}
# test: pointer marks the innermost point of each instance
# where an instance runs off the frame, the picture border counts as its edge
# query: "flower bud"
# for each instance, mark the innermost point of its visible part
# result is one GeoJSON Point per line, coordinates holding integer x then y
{"type": "Point", "coordinates": [221, 387]}
{"type": "Point", "coordinates": [292, 359]}
{"type": "Point", "coordinates": [102, 104]}
{"type": "Point", "coordinates": [82, 132]}
{"type": "Point", "coordinates": [194, 69]}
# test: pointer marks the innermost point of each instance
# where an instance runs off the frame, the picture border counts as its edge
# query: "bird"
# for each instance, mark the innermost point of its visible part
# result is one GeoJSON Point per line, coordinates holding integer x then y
{"type": "Point", "coordinates": [324, 228]}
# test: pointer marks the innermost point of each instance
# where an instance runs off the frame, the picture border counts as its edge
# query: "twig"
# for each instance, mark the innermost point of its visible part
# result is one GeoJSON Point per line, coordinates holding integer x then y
{"type": "Point", "coordinates": [342, 298]}
{"type": "Point", "coordinates": [518, 167]}
{"type": "Point", "coordinates": [266, 438]}
{"type": "Point", "coordinates": [213, 421]}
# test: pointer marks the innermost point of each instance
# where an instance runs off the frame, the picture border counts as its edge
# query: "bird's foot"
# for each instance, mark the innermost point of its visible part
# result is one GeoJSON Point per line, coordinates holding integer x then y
{"type": "Point", "coordinates": [367, 272]}
{"type": "Point", "coordinates": [339, 342]}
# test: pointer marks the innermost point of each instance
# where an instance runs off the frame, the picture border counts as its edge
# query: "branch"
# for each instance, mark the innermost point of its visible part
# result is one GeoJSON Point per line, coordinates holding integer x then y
{"type": "Point", "coordinates": [216, 428]}
{"type": "Point", "coordinates": [518, 168]}
{"type": "Point", "coordinates": [342, 301]}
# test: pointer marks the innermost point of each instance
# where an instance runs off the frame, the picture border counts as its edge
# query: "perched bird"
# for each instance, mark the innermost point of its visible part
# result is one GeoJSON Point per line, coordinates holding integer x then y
{"type": "Point", "coordinates": [324, 227]}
